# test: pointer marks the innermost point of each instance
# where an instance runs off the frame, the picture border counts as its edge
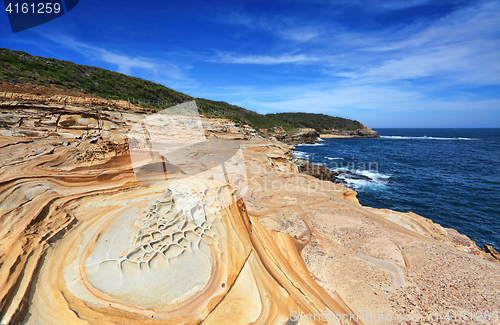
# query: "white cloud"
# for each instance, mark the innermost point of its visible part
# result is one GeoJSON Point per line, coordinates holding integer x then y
{"type": "Point", "coordinates": [302, 34]}
{"type": "Point", "coordinates": [286, 28]}
{"type": "Point", "coordinates": [378, 5]}
{"type": "Point", "coordinates": [429, 67]}
{"type": "Point", "coordinates": [126, 63]}
{"type": "Point", "coordinates": [398, 4]}
{"type": "Point", "coordinates": [265, 59]}
{"type": "Point", "coordinates": [461, 48]}
{"type": "Point", "coordinates": [329, 98]}
{"type": "Point", "coordinates": [373, 105]}
{"type": "Point", "coordinates": [158, 70]}
{"type": "Point", "coordinates": [426, 65]}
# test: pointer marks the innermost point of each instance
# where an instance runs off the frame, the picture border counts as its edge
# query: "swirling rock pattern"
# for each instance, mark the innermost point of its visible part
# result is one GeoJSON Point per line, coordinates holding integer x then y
{"type": "Point", "coordinates": [82, 241]}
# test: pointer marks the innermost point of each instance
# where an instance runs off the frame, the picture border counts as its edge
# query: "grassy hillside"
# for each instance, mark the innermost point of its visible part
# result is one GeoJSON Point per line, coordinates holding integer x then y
{"type": "Point", "coordinates": [319, 122]}
{"type": "Point", "coordinates": [18, 67]}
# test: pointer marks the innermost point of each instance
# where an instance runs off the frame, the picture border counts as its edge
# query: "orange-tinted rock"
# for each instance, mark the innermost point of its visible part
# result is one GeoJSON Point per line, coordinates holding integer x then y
{"type": "Point", "coordinates": [86, 237]}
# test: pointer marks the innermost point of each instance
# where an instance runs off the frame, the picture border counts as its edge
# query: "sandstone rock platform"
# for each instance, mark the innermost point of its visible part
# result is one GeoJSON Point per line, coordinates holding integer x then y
{"type": "Point", "coordinates": [85, 240]}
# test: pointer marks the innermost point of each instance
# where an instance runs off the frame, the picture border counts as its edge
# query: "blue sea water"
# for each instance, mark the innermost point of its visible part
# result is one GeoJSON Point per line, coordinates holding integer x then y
{"type": "Point", "coordinates": [451, 176]}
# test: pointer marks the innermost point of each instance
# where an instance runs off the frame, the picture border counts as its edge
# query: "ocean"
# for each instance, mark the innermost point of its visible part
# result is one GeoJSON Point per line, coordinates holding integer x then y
{"type": "Point", "coordinates": [451, 176]}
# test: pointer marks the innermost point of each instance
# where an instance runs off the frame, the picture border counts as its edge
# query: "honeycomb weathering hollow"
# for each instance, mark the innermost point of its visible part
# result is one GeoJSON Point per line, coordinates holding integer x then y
{"type": "Point", "coordinates": [169, 255]}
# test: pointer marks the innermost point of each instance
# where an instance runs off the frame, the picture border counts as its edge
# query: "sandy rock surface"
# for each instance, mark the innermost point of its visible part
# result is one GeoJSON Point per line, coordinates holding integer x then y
{"type": "Point", "coordinates": [85, 240]}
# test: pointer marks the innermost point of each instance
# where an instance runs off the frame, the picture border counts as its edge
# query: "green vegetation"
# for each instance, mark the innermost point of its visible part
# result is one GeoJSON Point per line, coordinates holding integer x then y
{"type": "Point", "coordinates": [19, 67]}
{"type": "Point", "coordinates": [320, 122]}
{"type": "Point", "coordinates": [266, 122]}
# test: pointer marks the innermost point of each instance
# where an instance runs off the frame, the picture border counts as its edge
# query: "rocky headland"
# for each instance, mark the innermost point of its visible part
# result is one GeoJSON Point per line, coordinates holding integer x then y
{"type": "Point", "coordinates": [303, 135]}
{"type": "Point", "coordinates": [90, 234]}
{"type": "Point", "coordinates": [364, 132]}
{"type": "Point", "coordinates": [309, 135]}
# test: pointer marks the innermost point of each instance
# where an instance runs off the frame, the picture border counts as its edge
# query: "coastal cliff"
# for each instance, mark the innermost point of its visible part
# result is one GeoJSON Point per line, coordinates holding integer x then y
{"type": "Point", "coordinates": [303, 135]}
{"type": "Point", "coordinates": [83, 240]}
{"type": "Point", "coordinates": [364, 132]}
{"type": "Point", "coordinates": [315, 125]}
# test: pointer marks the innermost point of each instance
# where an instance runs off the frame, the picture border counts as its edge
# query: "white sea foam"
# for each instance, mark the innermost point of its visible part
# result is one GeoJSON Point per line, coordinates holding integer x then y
{"type": "Point", "coordinates": [333, 158]}
{"type": "Point", "coordinates": [397, 137]}
{"type": "Point", "coordinates": [368, 173]}
{"type": "Point", "coordinates": [374, 175]}
{"type": "Point", "coordinates": [309, 144]}
{"type": "Point", "coordinates": [377, 179]}
{"type": "Point", "coordinates": [360, 184]}
{"type": "Point", "coordinates": [301, 155]}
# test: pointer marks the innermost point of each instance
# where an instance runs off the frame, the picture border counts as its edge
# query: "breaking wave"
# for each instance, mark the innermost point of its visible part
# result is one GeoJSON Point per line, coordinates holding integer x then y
{"type": "Point", "coordinates": [397, 137]}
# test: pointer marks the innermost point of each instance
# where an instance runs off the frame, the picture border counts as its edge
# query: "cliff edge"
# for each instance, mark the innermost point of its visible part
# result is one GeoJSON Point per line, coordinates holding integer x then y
{"type": "Point", "coordinates": [85, 240]}
{"type": "Point", "coordinates": [364, 132]}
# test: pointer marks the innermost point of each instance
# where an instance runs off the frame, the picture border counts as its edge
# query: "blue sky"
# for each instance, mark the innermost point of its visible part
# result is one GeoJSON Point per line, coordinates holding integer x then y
{"type": "Point", "coordinates": [394, 63]}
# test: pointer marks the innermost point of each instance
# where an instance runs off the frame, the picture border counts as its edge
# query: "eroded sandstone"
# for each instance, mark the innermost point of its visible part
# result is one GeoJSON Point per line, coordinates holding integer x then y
{"type": "Point", "coordinates": [91, 235]}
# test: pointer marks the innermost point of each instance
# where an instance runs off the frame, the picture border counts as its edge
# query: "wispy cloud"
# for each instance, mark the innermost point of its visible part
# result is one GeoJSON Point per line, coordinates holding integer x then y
{"type": "Point", "coordinates": [457, 64]}
{"type": "Point", "coordinates": [158, 70]}
{"type": "Point", "coordinates": [302, 34]}
{"type": "Point", "coordinates": [314, 56]}
{"type": "Point", "coordinates": [283, 27]}
{"type": "Point", "coordinates": [374, 105]}
{"type": "Point", "coordinates": [462, 48]}
{"type": "Point", "coordinates": [428, 66]}
{"type": "Point", "coordinates": [126, 63]}
{"type": "Point", "coordinates": [264, 59]}
{"type": "Point", "coordinates": [322, 97]}
{"type": "Point", "coordinates": [380, 5]}
{"type": "Point", "coordinates": [387, 4]}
